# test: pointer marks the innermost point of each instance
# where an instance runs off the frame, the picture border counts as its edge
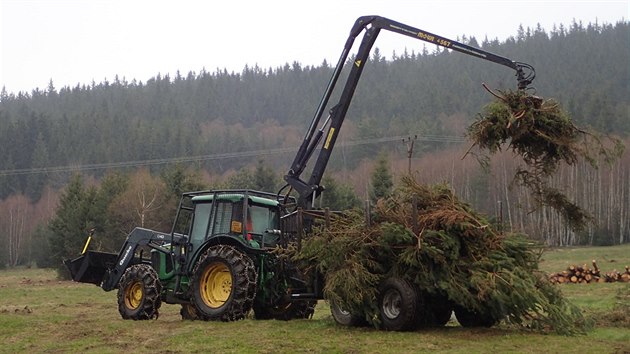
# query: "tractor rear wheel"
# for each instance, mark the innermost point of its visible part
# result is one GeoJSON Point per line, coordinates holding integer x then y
{"type": "Point", "coordinates": [139, 293]}
{"type": "Point", "coordinates": [397, 304]}
{"type": "Point", "coordinates": [223, 284]}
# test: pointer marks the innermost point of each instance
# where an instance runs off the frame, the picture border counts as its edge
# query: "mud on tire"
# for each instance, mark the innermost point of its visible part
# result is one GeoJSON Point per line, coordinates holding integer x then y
{"type": "Point", "coordinates": [223, 284]}
{"type": "Point", "coordinates": [139, 293]}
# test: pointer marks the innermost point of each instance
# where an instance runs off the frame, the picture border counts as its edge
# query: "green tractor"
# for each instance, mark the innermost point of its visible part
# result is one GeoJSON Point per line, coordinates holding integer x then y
{"type": "Point", "coordinates": [218, 263]}
{"type": "Point", "coordinates": [222, 257]}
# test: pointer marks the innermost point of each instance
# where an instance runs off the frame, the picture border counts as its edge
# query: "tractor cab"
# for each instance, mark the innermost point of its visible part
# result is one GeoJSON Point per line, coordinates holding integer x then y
{"type": "Point", "coordinates": [240, 217]}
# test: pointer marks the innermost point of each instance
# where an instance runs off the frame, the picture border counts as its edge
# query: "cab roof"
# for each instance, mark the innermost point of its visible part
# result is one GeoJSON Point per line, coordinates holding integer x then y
{"type": "Point", "coordinates": [234, 197]}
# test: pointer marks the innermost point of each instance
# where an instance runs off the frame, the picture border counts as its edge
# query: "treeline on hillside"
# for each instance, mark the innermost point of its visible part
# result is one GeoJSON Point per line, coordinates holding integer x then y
{"type": "Point", "coordinates": [213, 113]}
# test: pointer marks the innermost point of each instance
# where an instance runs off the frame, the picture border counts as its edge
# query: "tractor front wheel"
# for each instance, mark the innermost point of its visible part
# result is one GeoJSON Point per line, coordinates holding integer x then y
{"type": "Point", "coordinates": [223, 284]}
{"type": "Point", "coordinates": [139, 293]}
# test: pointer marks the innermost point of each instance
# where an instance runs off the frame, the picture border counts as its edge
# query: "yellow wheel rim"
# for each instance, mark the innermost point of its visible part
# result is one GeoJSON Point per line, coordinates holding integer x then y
{"type": "Point", "coordinates": [215, 285]}
{"type": "Point", "coordinates": [133, 295]}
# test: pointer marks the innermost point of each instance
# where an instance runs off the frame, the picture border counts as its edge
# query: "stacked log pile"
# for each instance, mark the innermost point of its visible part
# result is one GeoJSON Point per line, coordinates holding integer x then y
{"type": "Point", "coordinates": [576, 274]}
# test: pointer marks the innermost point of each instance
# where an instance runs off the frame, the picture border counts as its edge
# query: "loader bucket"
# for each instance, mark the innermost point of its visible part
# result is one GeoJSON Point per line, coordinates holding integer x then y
{"type": "Point", "coordinates": [91, 266]}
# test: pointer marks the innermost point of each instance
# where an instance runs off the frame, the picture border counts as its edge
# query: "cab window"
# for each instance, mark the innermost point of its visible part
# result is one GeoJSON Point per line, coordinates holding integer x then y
{"type": "Point", "coordinates": [200, 223]}
{"type": "Point", "coordinates": [260, 219]}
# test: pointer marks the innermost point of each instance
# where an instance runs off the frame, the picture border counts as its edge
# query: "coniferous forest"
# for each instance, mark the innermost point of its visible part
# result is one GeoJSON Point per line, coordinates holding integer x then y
{"type": "Point", "coordinates": [116, 154]}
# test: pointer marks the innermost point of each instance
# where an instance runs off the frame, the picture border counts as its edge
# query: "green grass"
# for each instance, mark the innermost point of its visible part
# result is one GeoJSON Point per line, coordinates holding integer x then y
{"type": "Point", "coordinates": [41, 314]}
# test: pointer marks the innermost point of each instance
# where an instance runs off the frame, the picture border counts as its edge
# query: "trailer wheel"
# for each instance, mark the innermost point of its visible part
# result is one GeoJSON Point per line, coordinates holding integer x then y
{"type": "Point", "coordinates": [397, 304]}
{"type": "Point", "coordinates": [437, 311]}
{"type": "Point", "coordinates": [139, 293]}
{"type": "Point", "coordinates": [344, 317]}
{"type": "Point", "coordinates": [468, 318]}
{"type": "Point", "coordinates": [439, 315]}
{"type": "Point", "coordinates": [223, 284]}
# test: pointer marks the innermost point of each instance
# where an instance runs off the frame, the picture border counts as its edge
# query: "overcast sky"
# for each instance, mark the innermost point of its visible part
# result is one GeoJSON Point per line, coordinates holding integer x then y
{"type": "Point", "coordinates": [77, 41]}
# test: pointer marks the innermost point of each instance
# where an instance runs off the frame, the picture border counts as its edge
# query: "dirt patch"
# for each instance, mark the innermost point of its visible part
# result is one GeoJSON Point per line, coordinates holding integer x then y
{"type": "Point", "coordinates": [619, 316]}
{"type": "Point", "coordinates": [43, 282]}
{"type": "Point", "coordinates": [16, 310]}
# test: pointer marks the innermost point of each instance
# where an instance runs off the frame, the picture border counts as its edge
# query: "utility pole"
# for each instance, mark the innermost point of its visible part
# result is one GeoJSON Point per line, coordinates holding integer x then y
{"type": "Point", "coordinates": [409, 142]}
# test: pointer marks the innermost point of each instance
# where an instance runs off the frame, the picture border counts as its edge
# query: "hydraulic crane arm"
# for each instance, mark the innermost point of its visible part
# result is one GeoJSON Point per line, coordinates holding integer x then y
{"type": "Point", "coordinates": [371, 26]}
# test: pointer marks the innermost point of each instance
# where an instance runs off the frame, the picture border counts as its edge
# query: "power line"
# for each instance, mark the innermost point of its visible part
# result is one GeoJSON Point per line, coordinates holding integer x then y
{"type": "Point", "coordinates": [221, 156]}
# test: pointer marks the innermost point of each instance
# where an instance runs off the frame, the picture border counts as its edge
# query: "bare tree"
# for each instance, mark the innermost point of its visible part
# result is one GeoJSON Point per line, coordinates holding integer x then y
{"type": "Point", "coordinates": [16, 210]}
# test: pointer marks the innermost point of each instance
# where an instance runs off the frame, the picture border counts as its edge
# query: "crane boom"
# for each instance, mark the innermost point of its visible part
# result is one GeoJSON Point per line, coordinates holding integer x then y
{"type": "Point", "coordinates": [370, 26]}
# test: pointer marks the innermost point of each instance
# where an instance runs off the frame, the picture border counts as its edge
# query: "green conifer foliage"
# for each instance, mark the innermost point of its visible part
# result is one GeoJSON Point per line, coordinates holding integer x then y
{"type": "Point", "coordinates": [381, 180]}
{"type": "Point", "coordinates": [264, 178]}
{"type": "Point", "coordinates": [70, 226]}
{"type": "Point", "coordinates": [338, 196]}
{"type": "Point", "coordinates": [543, 135]}
{"type": "Point", "coordinates": [450, 251]}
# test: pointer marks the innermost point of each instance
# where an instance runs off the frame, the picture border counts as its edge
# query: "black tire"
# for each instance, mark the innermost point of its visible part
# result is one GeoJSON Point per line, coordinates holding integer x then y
{"type": "Point", "coordinates": [139, 293]}
{"type": "Point", "coordinates": [346, 318]}
{"type": "Point", "coordinates": [397, 303]}
{"type": "Point", "coordinates": [189, 312]}
{"type": "Point", "coordinates": [468, 318]}
{"type": "Point", "coordinates": [223, 284]}
{"type": "Point", "coordinates": [437, 311]}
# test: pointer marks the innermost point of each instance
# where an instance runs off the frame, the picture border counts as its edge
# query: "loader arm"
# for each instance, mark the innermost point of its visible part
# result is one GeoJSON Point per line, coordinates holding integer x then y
{"type": "Point", "coordinates": [138, 237]}
{"type": "Point", "coordinates": [370, 26]}
{"type": "Point", "coordinates": [106, 269]}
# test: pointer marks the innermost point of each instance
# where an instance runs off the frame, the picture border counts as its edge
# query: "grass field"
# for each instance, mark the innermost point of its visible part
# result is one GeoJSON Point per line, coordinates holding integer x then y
{"type": "Point", "coordinates": [41, 314]}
